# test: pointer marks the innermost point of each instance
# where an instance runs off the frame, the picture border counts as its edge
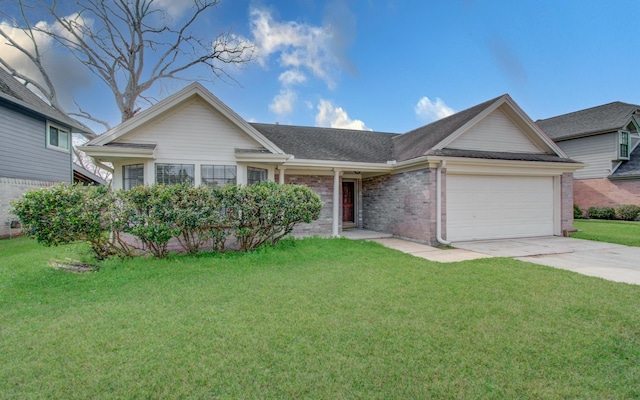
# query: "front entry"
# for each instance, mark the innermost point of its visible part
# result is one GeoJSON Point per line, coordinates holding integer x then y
{"type": "Point", "coordinates": [348, 204]}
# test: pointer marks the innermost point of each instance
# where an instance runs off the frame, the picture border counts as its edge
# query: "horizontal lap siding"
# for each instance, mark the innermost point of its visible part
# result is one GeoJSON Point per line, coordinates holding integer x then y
{"type": "Point", "coordinates": [23, 153]}
{"type": "Point", "coordinates": [495, 132]}
{"type": "Point", "coordinates": [596, 152]}
{"type": "Point", "coordinates": [192, 133]}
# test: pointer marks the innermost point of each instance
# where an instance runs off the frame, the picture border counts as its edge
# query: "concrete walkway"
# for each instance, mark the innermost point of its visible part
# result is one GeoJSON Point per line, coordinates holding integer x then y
{"type": "Point", "coordinates": [609, 261]}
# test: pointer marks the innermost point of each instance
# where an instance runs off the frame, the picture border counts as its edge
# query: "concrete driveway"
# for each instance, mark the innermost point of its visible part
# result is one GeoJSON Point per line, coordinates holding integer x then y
{"type": "Point", "coordinates": [613, 262]}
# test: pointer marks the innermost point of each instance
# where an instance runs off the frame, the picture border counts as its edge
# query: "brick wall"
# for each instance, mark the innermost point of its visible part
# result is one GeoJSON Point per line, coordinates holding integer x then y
{"type": "Point", "coordinates": [13, 189]}
{"type": "Point", "coordinates": [566, 193]}
{"type": "Point", "coordinates": [323, 186]}
{"type": "Point", "coordinates": [403, 204]}
{"type": "Point", "coordinates": [605, 193]}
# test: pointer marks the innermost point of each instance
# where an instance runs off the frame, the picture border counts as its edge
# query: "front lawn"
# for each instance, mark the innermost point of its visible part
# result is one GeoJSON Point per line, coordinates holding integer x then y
{"type": "Point", "coordinates": [317, 318]}
{"type": "Point", "coordinates": [621, 232]}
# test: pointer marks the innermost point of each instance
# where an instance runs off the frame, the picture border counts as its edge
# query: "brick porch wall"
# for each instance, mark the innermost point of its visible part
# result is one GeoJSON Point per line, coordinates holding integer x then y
{"type": "Point", "coordinates": [13, 189]}
{"type": "Point", "coordinates": [605, 193]}
{"type": "Point", "coordinates": [402, 204]}
{"type": "Point", "coordinates": [323, 186]}
{"type": "Point", "coordinates": [566, 193]}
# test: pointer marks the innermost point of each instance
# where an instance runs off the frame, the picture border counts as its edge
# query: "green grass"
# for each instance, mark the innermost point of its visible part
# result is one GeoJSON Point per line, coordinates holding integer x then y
{"type": "Point", "coordinates": [324, 319]}
{"type": "Point", "coordinates": [621, 232]}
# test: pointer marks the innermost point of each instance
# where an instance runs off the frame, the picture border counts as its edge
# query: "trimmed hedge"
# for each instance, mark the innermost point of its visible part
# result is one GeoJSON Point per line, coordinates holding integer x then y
{"type": "Point", "coordinates": [627, 212]}
{"type": "Point", "coordinates": [256, 215]}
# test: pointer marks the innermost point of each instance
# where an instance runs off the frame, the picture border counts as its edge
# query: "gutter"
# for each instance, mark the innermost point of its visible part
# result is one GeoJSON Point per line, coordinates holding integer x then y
{"type": "Point", "coordinates": [439, 238]}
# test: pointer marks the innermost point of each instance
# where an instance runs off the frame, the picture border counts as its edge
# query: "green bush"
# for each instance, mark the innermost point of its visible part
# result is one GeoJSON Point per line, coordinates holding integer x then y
{"type": "Point", "coordinates": [266, 212]}
{"type": "Point", "coordinates": [258, 214]}
{"type": "Point", "coordinates": [628, 212]}
{"type": "Point", "coordinates": [601, 212]}
{"type": "Point", "coordinates": [577, 212]}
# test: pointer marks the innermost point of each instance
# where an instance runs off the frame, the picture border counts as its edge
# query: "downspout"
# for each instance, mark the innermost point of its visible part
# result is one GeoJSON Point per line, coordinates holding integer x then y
{"type": "Point", "coordinates": [439, 238]}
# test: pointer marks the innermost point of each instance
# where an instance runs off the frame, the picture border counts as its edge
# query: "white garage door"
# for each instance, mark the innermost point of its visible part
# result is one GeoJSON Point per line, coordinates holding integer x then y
{"type": "Point", "coordinates": [498, 207]}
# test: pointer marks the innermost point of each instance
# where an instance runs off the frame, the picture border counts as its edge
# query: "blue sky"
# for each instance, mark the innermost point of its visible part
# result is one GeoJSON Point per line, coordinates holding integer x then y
{"type": "Point", "coordinates": [397, 65]}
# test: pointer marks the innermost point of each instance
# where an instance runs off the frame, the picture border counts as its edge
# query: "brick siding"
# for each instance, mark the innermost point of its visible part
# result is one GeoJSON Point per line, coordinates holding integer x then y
{"type": "Point", "coordinates": [402, 204]}
{"type": "Point", "coordinates": [323, 186]}
{"type": "Point", "coordinates": [13, 189]}
{"type": "Point", "coordinates": [566, 201]}
{"type": "Point", "coordinates": [605, 193]}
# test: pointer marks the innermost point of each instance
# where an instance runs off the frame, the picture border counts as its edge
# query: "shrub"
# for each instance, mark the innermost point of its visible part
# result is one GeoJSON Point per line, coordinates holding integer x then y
{"type": "Point", "coordinates": [577, 211]}
{"type": "Point", "coordinates": [601, 212]}
{"type": "Point", "coordinates": [628, 212]}
{"type": "Point", "coordinates": [266, 212]}
{"type": "Point", "coordinates": [66, 213]}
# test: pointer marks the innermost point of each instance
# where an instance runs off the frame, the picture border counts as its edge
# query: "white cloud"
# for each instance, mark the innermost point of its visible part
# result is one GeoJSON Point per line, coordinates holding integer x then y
{"type": "Point", "coordinates": [175, 9]}
{"type": "Point", "coordinates": [336, 117]}
{"type": "Point", "coordinates": [428, 110]}
{"type": "Point", "coordinates": [283, 102]}
{"type": "Point", "coordinates": [292, 77]}
{"type": "Point", "coordinates": [299, 45]}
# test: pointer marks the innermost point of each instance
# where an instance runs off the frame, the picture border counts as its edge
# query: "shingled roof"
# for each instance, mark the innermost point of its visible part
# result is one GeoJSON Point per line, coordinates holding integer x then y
{"type": "Point", "coordinates": [601, 119]}
{"type": "Point", "coordinates": [16, 93]}
{"type": "Point", "coordinates": [316, 143]}
{"type": "Point", "coordinates": [419, 141]}
{"type": "Point", "coordinates": [629, 169]}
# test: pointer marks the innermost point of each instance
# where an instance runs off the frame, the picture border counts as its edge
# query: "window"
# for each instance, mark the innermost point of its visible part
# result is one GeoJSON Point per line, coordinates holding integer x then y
{"type": "Point", "coordinates": [256, 175]}
{"type": "Point", "coordinates": [171, 174]}
{"type": "Point", "coordinates": [132, 176]}
{"type": "Point", "coordinates": [218, 175]}
{"type": "Point", "coordinates": [623, 147]}
{"type": "Point", "coordinates": [58, 138]}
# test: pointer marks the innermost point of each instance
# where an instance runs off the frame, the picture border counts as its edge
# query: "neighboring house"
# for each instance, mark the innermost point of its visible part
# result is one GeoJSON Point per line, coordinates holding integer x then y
{"type": "Point", "coordinates": [606, 140]}
{"type": "Point", "coordinates": [483, 173]}
{"type": "Point", "coordinates": [35, 143]}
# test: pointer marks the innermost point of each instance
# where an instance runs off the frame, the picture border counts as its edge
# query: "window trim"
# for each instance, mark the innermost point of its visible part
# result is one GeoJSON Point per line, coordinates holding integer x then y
{"type": "Point", "coordinates": [225, 166]}
{"type": "Point", "coordinates": [624, 142]}
{"type": "Point", "coordinates": [124, 175]}
{"type": "Point", "coordinates": [59, 128]}
{"type": "Point", "coordinates": [193, 177]}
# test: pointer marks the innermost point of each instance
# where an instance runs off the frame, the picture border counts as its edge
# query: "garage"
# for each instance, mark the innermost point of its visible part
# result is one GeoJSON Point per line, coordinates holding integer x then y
{"type": "Point", "coordinates": [482, 207]}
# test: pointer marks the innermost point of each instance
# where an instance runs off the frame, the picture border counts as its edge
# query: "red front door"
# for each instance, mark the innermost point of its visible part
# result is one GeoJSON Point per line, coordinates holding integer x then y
{"type": "Point", "coordinates": [348, 189]}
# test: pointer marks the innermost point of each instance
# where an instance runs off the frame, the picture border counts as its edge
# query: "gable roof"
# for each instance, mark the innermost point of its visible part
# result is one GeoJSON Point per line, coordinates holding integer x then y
{"type": "Point", "coordinates": [435, 136]}
{"type": "Point", "coordinates": [591, 121]}
{"type": "Point", "coordinates": [333, 144]}
{"type": "Point", "coordinates": [193, 90]}
{"type": "Point", "coordinates": [16, 93]}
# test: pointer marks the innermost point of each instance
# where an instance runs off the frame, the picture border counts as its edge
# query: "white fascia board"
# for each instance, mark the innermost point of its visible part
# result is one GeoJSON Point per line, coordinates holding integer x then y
{"type": "Point", "coordinates": [480, 166]}
{"type": "Point", "coordinates": [341, 165]}
{"type": "Point", "coordinates": [117, 152]}
{"type": "Point", "coordinates": [261, 157]}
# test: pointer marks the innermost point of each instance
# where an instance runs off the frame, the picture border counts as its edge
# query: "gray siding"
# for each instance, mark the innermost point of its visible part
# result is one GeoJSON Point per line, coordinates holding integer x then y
{"type": "Point", "coordinates": [23, 152]}
{"type": "Point", "coordinates": [596, 152]}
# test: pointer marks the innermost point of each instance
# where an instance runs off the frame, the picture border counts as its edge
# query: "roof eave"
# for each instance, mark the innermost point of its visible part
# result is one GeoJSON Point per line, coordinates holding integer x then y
{"type": "Point", "coordinates": [117, 152]}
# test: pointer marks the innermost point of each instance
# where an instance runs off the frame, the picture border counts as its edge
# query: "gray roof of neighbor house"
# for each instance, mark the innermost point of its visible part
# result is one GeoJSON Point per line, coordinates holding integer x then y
{"type": "Point", "coordinates": [14, 92]}
{"type": "Point", "coordinates": [419, 141]}
{"type": "Point", "coordinates": [629, 169]}
{"type": "Point", "coordinates": [595, 120]}
{"type": "Point", "coordinates": [333, 144]}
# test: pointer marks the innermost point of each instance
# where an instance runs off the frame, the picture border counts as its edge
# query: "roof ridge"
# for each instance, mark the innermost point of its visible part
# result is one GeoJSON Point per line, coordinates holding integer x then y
{"type": "Point", "coordinates": [589, 109]}
{"type": "Point", "coordinates": [323, 127]}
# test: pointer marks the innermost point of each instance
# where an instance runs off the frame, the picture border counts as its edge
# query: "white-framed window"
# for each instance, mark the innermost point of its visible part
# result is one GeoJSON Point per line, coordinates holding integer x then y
{"type": "Point", "coordinates": [132, 176]}
{"type": "Point", "coordinates": [256, 175]}
{"type": "Point", "coordinates": [218, 175]}
{"type": "Point", "coordinates": [171, 174]}
{"type": "Point", "coordinates": [623, 145]}
{"type": "Point", "coordinates": [58, 138]}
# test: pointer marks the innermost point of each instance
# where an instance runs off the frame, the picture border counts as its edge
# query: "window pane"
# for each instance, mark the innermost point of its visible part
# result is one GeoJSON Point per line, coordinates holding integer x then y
{"type": "Point", "coordinates": [132, 176]}
{"type": "Point", "coordinates": [256, 175]}
{"type": "Point", "coordinates": [63, 139]}
{"type": "Point", "coordinates": [218, 175]}
{"type": "Point", "coordinates": [171, 174]}
{"type": "Point", "coordinates": [53, 136]}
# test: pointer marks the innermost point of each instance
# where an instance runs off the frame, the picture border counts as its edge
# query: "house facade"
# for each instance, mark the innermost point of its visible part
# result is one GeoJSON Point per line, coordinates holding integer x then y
{"type": "Point", "coordinates": [484, 173]}
{"type": "Point", "coordinates": [36, 142]}
{"type": "Point", "coordinates": [606, 139]}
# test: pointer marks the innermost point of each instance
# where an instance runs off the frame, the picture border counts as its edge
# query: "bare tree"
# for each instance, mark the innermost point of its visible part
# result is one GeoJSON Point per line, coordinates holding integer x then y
{"type": "Point", "coordinates": [129, 44]}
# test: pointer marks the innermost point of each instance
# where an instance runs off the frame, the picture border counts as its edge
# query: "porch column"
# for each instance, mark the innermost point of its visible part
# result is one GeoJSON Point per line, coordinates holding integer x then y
{"type": "Point", "coordinates": [336, 203]}
{"type": "Point", "coordinates": [281, 175]}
